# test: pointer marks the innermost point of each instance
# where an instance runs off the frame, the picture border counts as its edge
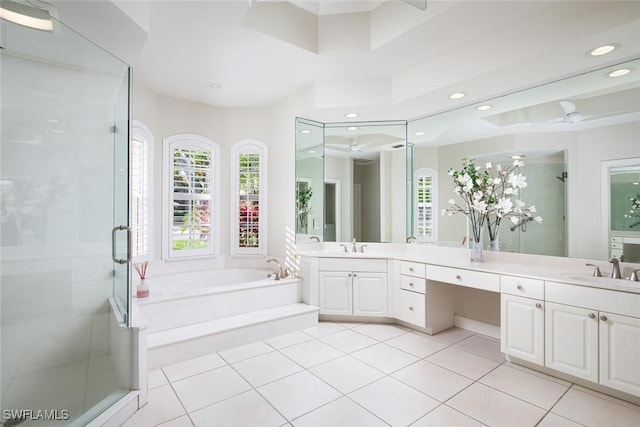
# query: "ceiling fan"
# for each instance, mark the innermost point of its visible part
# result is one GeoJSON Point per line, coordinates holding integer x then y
{"type": "Point", "coordinates": [571, 114]}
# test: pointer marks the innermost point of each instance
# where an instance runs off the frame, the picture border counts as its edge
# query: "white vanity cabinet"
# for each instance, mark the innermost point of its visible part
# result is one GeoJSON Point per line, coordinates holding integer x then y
{"type": "Point", "coordinates": [353, 287]}
{"type": "Point", "coordinates": [522, 318]}
{"type": "Point", "coordinates": [594, 334]}
{"type": "Point", "coordinates": [413, 289]}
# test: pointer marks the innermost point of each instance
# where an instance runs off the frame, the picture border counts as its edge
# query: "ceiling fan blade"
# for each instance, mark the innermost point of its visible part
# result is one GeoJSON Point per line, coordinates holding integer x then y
{"type": "Point", "coordinates": [568, 107]}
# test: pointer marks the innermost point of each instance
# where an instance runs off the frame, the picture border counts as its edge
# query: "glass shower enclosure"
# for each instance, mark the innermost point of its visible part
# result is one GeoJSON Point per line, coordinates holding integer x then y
{"type": "Point", "coordinates": [66, 351]}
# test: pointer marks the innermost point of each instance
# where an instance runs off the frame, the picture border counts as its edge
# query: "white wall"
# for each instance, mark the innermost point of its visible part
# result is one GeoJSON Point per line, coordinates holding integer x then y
{"type": "Point", "coordinates": [340, 168]}
{"type": "Point", "coordinates": [274, 125]}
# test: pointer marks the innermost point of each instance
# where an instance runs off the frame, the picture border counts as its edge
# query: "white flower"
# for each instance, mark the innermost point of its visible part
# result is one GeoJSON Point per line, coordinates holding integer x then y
{"type": "Point", "coordinates": [518, 163]}
{"type": "Point", "coordinates": [532, 208]}
{"type": "Point", "coordinates": [519, 205]}
{"type": "Point", "coordinates": [450, 172]}
{"type": "Point", "coordinates": [515, 219]}
{"type": "Point", "coordinates": [504, 206]}
{"type": "Point", "coordinates": [517, 181]}
{"type": "Point", "coordinates": [452, 202]}
{"type": "Point", "coordinates": [538, 219]}
{"type": "Point", "coordinates": [488, 165]}
{"type": "Point", "coordinates": [508, 191]}
{"type": "Point", "coordinates": [479, 205]}
{"type": "Point", "coordinates": [497, 180]}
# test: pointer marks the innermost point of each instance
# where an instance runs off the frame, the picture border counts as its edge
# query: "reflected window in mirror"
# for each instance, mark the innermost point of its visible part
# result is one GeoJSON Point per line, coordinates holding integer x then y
{"type": "Point", "coordinates": [425, 184]}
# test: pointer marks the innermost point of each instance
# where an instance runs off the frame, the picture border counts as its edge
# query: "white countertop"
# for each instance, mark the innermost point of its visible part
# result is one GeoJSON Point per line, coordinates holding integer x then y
{"type": "Point", "coordinates": [548, 268]}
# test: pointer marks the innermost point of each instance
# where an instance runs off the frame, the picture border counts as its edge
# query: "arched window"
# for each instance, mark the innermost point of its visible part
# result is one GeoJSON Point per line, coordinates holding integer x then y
{"type": "Point", "coordinates": [249, 198]}
{"type": "Point", "coordinates": [425, 216]}
{"type": "Point", "coordinates": [191, 186]}
{"type": "Point", "coordinates": [141, 191]}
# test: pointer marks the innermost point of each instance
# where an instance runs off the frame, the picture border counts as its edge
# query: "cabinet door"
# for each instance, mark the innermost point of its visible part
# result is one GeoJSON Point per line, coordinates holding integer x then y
{"type": "Point", "coordinates": [370, 294]}
{"type": "Point", "coordinates": [522, 331]}
{"type": "Point", "coordinates": [571, 340]}
{"type": "Point", "coordinates": [335, 292]}
{"type": "Point", "coordinates": [619, 350]}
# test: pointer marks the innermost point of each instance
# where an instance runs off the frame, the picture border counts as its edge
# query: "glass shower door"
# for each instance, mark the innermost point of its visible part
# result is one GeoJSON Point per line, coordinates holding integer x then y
{"type": "Point", "coordinates": [66, 346]}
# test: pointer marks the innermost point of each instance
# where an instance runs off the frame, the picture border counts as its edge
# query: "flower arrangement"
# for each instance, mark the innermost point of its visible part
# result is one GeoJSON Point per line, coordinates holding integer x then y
{"type": "Point", "coordinates": [487, 196]}
{"type": "Point", "coordinates": [635, 207]}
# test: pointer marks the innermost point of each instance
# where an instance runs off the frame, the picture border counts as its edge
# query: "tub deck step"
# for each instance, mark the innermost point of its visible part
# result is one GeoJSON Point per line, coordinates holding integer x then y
{"type": "Point", "coordinates": [194, 340]}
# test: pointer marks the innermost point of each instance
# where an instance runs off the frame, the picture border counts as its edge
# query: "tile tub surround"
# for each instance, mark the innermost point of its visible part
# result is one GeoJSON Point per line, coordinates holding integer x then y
{"type": "Point", "coordinates": [318, 378]}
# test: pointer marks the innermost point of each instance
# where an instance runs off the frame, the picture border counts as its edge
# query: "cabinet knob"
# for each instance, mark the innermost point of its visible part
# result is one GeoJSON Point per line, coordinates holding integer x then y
{"type": "Point", "coordinates": [603, 318]}
{"type": "Point", "coordinates": [411, 284]}
{"type": "Point", "coordinates": [355, 275]}
{"type": "Point", "coordinates": [411, 308]}
{"type": "Point", "coordinates": [349, 275]}
{"type": "Point", "coordinates": [538, 305]}
{"type": "Point", "coordinates": [592, 316]}
{"type": "Point", "coordinates": [411, 269]}
{"type": "Point", "coordinates": [459, 277]}
{"type": "Point", "coordinates": [519, 287]}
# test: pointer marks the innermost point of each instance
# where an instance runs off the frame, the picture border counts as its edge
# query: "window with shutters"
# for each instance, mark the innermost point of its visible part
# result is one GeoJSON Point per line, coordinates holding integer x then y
{"type": "Point", "coordinates": [191, 220]}
{"type": "Point", "coordinates": [425, 204]}
{"type": "Point", "coordinates": [248, 207]}
{"type": "Point", "coordinates": [141, 191]}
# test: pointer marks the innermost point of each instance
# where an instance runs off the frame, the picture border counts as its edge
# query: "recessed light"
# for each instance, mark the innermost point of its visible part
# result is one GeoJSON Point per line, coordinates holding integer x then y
{"type": "Point", "coordinates": [352, 128]}
{"type": "Point", "coordinates": [418, 133]}
{"type": "Point", "coordinates": [603, 50]}
{"type": "Point", "coordinates": [457, 95]}
{"type": "Point", "coordinates": [351, 115]}
{"type": "Point", "coordinates": [484, 107]}
{"type": "Point", "coordinates": [636, 183]}
{"type": "Point", "coordinates": [305, 131]}
{"type": "Point", "coordinates": [312, 151]}
{"type": "Point", "coordinates": [619, 73]}
{"type": "Point", "coordinates": [518, 156]}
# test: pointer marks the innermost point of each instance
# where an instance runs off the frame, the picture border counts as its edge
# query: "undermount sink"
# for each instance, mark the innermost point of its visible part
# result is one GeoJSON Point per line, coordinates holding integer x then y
{"type": "Point", "coordinates": [606, 282]}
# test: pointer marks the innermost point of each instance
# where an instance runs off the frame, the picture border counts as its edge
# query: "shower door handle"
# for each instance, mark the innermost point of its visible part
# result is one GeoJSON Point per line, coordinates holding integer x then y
{"type": "Point", "coordinates": [113, 244]}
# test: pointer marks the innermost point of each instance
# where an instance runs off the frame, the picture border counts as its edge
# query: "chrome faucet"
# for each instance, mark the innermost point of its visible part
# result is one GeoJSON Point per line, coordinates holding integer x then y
{"type": "Point", "coordinates": [281, 272]}
{"type": "Point", "coordinates": [615, 273]}
{"type": "Point", "coordinates": [316, 238]}
{"type": "Point", "coordinates": [353, 247]}
{"type": "Point", "coordinates": [411, 239]}
{"type": "Point", "coordinates": [596, 271]}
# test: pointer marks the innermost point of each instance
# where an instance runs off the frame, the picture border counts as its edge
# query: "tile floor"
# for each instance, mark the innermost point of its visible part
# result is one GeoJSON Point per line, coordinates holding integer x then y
{"type": "Point", "coordinates": [356, 374]}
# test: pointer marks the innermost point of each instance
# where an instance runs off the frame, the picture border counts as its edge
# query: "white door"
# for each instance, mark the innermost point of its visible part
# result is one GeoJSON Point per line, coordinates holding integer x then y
{"type": "Point", "coordinates": [370, 294]}
{"type": "Point", "coordinates": [619, 352]}
{"type": "Point", "coordinates": [571, 340]}
{"type": "Point", "coordinates": [335, 293]}
{"type": "Point", "coordinates": [522, 331]}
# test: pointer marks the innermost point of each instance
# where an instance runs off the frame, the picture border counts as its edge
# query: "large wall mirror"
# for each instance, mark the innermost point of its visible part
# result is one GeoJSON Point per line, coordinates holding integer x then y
{"type": "Point", "coordinates": [564, 131]}
{"type": "Point", "coordinates": [356, 173]}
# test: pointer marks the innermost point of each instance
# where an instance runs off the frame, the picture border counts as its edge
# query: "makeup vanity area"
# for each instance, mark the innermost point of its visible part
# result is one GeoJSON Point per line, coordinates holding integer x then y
{"type": "Point", "coordinates": [554, 316]}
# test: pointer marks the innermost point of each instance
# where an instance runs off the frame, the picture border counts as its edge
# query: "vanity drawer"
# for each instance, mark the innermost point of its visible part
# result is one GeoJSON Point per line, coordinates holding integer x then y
{"type": "Point", "coordinates": [415, 284]}
{"type": "Point", "coordinates": [352, 264]}
{"type": "Point", "coordinates": [617, 245]}
{"type": "Point", "coordinates": [522, 286]}
{"type": "Point", "coordinates": [413, 308]}
{"type": "Point", "coordinates": [415, 269]}
{"type": "Point", "coordinates": [468, 278]}
{"type": "Point", "coordinates": [616, 239]}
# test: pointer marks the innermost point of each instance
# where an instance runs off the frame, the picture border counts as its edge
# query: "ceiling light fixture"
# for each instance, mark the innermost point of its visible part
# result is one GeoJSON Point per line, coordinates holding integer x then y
{"type": "Point", "coordinates": [619, 73]}
{"type": "Point", "coordinates": [312, 151]}
{"type": "Point", "coordinates": [518, 156]}
{"type": "Point", "coordinates": [26, 15]}
{"type": "Point", "coordinates": [418, 133]}
{"type": "Point", "coordinates": [484, 107]}
{"type": "Point", "coordinates": [457, 95]}
{"type": "Point", "coordinates": [603, 50]}
{"type": "Point", "coordinates": [352, 128]}
{"type": "Point", "coordinates": [305, 131]}
{"type": "Point", "coordinates": [351, 115]}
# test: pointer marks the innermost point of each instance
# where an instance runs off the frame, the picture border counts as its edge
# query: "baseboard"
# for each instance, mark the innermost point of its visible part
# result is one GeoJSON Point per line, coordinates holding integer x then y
{"type": "Point", "coordinates": [477, 326]}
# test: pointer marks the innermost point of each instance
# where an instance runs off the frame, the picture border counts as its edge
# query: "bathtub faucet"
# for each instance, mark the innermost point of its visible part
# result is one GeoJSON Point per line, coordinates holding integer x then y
{"type": "Point", "coordinates": [282, 272]}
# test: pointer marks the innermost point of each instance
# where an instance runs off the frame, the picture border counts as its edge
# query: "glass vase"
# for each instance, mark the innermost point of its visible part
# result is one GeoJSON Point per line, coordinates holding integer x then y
{"type": "Point", "coordinates": [142, 290]}
{"type": "Point", "coordinates": [476, 252]}
{"type": "Point", "coordinates": [494, 245]}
